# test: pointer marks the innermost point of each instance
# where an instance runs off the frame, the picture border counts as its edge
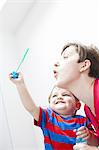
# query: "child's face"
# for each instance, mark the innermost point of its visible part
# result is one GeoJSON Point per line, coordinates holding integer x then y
{"type": "Point", "coordinates": [63, 102]}
{"type": "Point", "coordinates": [67, 69]}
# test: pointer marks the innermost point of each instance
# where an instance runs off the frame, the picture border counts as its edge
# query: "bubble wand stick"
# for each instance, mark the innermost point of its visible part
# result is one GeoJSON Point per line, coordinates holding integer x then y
{"type": "Point", "coordinates": [14, 73]}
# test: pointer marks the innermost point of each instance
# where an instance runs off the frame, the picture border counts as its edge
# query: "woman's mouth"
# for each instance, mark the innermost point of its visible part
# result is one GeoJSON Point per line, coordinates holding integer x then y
{"type": "Point", "coordinates": [55, 73]}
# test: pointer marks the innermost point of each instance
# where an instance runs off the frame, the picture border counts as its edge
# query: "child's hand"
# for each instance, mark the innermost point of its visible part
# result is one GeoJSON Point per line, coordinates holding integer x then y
{"type": "Point", "coordinates": [18, 80]}
{"type": "Point", "coordinates": [84, 133]}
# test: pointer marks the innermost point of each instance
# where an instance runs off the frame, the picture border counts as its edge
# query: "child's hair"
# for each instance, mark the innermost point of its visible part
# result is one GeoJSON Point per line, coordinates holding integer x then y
{"type": "Point", "coordinates": [87, 52]}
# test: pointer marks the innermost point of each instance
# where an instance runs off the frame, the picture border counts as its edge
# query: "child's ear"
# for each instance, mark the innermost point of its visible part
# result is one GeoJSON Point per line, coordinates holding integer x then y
{"type": "Point", "coordinates": [85, 65]}
{"type": "Point", "coordinates": [78, 105]}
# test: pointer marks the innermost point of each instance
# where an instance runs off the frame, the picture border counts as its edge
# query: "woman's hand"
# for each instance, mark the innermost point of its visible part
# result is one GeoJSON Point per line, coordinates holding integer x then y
{"type": "Point", "coordinates": [84, 133]}
{"type": "Point", "coordinates": [85, 147]}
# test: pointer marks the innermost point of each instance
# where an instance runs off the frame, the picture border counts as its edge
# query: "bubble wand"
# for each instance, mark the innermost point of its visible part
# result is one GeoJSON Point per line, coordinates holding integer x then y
{"type": "Point", "coordinates": [14, 73]}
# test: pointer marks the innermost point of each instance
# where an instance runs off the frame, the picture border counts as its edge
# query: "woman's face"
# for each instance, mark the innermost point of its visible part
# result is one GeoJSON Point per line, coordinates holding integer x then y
{"type": "Point", "coordinates": [67, 69]}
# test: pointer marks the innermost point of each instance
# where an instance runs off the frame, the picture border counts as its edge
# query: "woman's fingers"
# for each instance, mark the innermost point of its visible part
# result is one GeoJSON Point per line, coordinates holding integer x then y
{"type": "Point", "coordinates": [83, 132]}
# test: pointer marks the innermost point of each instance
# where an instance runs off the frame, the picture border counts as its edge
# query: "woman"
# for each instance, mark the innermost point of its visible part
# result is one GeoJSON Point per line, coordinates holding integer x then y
{"type": "Point", "coordinates": [78, 71]}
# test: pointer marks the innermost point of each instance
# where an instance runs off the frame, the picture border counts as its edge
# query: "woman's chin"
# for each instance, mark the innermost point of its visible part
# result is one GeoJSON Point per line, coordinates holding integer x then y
{"type": "Point", "coordinates": [59, 84]}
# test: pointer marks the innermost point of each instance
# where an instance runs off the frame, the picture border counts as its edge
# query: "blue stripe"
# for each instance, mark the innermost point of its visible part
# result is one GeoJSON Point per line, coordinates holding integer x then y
{"type": "Point", "coordinates": [43, 119]}
{"type": "Point", "coordinates": [48, 147]}
{"type": "Point", "coordinates": [59, 138]}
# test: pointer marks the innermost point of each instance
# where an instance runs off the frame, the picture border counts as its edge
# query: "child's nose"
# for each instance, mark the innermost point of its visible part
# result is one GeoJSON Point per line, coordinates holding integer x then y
{"type": "Point", "coordinates": [59, 97]}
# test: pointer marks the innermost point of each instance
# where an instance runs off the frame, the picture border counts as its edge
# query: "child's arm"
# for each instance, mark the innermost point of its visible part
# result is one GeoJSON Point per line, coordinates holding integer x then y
{"type": "Point", "coordinates": [86, 134]}
{"type": "Point", "coordinates": [26, 99]}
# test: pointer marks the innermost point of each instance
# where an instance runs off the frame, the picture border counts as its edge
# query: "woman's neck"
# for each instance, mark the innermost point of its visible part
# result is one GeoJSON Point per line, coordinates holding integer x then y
{"type": "Point", "coordinates": [83, 90]}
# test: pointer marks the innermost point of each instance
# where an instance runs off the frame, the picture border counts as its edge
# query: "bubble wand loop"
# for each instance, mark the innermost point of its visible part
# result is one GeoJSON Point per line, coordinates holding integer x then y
{"type": "Point", "coordinates": [14, 73]}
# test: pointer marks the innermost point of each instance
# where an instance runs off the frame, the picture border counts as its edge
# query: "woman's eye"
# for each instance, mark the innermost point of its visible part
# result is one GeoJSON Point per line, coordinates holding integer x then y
{"type": "Point", "coordinates": [65, 57]}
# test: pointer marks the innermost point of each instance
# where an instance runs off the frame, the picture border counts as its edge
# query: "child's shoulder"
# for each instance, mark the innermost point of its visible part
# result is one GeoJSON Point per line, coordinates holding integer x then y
{"type": "Point", "coordinates": [48, 111]}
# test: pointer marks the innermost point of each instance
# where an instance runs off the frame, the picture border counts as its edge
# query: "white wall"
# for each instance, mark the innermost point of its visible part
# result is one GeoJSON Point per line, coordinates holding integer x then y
{"type": "Point", "coordinates": [7, 61]}
{"type": "Point", "coordinates": [45, 30]}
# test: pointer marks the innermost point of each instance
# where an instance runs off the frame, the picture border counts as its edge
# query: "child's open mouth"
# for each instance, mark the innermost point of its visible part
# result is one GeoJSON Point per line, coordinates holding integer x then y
{"type": "Point", "coordinates": [57, 102]}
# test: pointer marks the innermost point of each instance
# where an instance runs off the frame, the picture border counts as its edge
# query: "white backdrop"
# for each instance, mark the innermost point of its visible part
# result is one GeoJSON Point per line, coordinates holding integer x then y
{"type": "Point", "coordinates": [46, 28]}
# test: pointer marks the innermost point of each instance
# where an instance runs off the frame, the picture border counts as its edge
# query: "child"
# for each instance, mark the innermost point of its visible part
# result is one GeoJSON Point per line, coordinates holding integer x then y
{"type": "Point", "coordinates": [59, 120]}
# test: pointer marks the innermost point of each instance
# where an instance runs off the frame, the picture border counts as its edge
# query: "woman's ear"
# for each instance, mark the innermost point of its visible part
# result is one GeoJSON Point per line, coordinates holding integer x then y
{"type": "Point", "coordinates": [85, 65]}
{"type": "Point", "coordinates": [78, 105]}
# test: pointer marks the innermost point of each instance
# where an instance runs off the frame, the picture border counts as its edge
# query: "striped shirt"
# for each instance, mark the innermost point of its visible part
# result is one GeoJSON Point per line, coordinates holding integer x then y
{"type": "Point", "coordinates": [58, 131]}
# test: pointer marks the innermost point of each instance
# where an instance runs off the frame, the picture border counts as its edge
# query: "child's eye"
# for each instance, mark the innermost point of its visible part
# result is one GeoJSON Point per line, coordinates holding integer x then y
{"type": "Point", "coordinates": [65, 95]}
{"type": "Point", "coordinates": [54, 96]}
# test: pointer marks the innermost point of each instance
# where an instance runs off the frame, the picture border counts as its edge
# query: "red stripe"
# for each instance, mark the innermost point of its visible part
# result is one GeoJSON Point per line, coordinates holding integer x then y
{"type": "Point", "coordinates": [37, 123]}
{"type": "Point", "coordinates": [77, 120]}
{"type": "Point", "coordinates": [58, 145]}
{"type": "Point", "coordinates": [58, 130]}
